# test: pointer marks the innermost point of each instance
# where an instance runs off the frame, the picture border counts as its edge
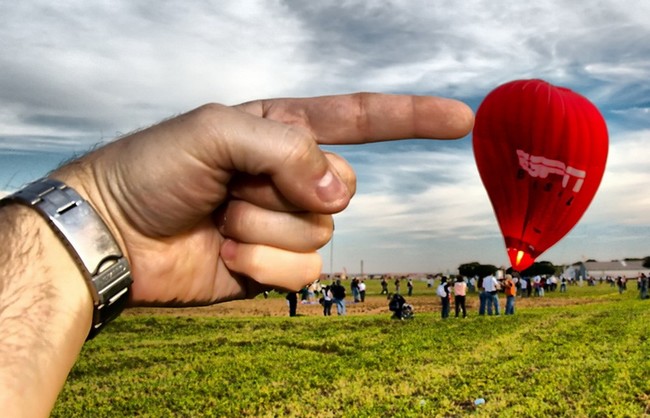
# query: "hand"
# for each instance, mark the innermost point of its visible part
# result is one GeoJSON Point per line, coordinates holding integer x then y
{"type": "Point", "coordinates": [221, 202]}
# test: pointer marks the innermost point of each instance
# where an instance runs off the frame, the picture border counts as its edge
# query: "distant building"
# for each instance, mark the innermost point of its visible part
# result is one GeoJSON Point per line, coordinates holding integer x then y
{"type": "Point", "coordinates": [597, 269]}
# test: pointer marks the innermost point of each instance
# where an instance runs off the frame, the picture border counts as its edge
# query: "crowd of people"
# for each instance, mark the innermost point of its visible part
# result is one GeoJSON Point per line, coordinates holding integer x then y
{"type": "Point", "coordinates": [328, 295]}
{"type": "Point", "coordinates": [453, 291]}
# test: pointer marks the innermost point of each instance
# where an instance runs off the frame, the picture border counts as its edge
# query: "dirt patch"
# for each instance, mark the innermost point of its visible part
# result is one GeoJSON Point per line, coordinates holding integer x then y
{"type": "Point", "coordinates": [275, 306]}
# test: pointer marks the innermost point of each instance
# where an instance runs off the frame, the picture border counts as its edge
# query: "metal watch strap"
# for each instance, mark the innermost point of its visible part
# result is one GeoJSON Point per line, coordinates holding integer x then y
{"type": "Point", "coordinates": [88, 240]}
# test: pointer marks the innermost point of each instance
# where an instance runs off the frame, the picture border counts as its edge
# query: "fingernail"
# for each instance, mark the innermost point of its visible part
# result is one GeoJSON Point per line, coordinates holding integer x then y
{"type": "Point", "coordinates": [228, 250]}
{"type": "Point", "coordinates": [331, 188]}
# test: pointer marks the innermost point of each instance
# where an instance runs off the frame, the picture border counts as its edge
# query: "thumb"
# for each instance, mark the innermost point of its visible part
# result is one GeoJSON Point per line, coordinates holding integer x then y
{"type": "Point", "coordinates": [288, 154]}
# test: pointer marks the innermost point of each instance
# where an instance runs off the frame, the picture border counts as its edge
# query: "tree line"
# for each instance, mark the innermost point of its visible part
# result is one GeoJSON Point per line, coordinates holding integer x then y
{"type": "Point", "coordinates": [538, 268]}
{"type": "Point", "coordinates": [481, 270]}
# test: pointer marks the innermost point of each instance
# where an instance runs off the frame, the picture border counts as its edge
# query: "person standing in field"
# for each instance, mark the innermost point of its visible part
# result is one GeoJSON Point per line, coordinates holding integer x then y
{"type": "Point", "coordinates": [511, 291]}
{"type": "Point", "coordinates": [354, 288]}
{"type": "Point", "coordinates": [443, 292]}
{"type": "Point", "coordinates": [292, 299]}
{"type": "Point", "coordinates": [384, 285]}
{"type": "Point", "coordinates": [362, 290]}
{"type": "Point", "coordinates": [491, 287]}
{"type": "Point", "coordinates": [523, 286]}
{"type": "Point", "coordinates": [460, 292]}
{"type": "Point", "coordinates": [482, 295]}
{"type": "Point", "coordinates": [328, 300]}
{"type": "Point", "coordinates": [338, 293]}
{"type": "Point", "coordinates": [397, 284]}
{"type": "Point", "coordinates": [537, 285]}
{"type": "Point", "coordinates": [409, 285]}
{"type": "Point", "coordinates": [643, 286]}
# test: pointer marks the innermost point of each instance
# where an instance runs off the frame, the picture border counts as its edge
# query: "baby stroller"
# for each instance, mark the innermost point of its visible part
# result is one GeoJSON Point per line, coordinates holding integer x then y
{"type": "Point", "coordinates": [401, 310]}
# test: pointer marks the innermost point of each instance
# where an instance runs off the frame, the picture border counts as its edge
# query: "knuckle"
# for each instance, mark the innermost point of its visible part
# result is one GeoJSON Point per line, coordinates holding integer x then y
{"type": "Point", "coordinates": [206, 114]}
{"type": "Point", "coordinates": [302, 147]}
{"type": "Point", "coordinates": [361, 116]}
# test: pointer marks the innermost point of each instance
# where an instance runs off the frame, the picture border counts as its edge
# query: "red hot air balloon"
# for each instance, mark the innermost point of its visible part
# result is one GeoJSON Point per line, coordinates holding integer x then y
{"type": "Point", "coordinates": [541, 152]}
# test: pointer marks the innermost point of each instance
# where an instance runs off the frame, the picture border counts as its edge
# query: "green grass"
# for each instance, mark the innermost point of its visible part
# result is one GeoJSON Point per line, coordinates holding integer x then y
{"type": "Point", "coordinates": [585, 360]}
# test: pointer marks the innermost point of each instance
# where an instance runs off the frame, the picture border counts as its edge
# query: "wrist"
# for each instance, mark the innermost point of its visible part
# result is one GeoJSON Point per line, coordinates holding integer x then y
{"type": "Point", "coordinates": [87, 239]}
{"type": "Point", "coordinates": [82, 176]}
{"type": "Point", "coordinates": [45, 316]}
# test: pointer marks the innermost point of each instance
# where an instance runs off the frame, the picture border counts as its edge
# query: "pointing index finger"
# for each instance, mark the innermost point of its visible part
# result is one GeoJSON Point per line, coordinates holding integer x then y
{"type": "Point", "coordinates": [369, 117]}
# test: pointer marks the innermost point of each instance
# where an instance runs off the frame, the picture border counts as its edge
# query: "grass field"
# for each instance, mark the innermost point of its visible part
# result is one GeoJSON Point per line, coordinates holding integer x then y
{"type": "Point", "coordinates": [581, 354]}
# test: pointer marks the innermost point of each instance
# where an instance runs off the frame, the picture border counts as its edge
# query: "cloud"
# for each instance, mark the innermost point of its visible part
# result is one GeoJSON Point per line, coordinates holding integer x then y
{"type": "Point", "coordinates": [78, 74]}
{"type": "Point", "coordinates": [21, 144]}
{"type": "Point", "coordinates": [408, 193]}
{"type": "Point", "coordinates": [453, 48]}
{"type": "Point", "coordinates": [622, 197]}
{"type": "Point", "coordinates": [102, 70]}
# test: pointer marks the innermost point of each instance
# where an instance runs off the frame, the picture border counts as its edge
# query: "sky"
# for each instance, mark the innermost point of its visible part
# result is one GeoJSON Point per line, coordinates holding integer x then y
{"type": "Point", "coordinates": [77, 74]}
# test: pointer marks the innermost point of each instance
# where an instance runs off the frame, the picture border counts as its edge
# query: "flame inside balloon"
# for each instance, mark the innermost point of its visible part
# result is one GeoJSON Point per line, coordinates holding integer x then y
{"type": "Point", "coordinates": [541, 152]}
{"type": "Point", "coordinates": [519, 259]}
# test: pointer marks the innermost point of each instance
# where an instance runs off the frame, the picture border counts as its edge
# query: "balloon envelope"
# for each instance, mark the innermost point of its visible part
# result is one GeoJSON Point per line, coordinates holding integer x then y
{"type": "Point", "coordinates": [541, 152]}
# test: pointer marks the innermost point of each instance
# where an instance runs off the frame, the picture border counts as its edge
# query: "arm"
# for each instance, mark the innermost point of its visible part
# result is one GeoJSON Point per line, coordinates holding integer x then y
{"type": "Point", "coordinates": [45, 313]}
{"type": "Point", "coordinates": [247, 184]}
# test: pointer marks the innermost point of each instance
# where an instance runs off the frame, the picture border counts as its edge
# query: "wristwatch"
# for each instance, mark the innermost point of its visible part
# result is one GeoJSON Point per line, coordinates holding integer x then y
{"type": "Point", "coordinates": [88, 240]}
